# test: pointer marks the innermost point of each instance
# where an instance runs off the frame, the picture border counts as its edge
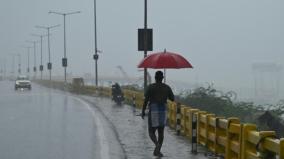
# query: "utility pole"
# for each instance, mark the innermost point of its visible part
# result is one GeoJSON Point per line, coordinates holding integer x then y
{"type": "Point", "coordinates": [5, 69]}
{"type": "Point", "coordinates": [64, 59]}
{"type": "Point", "coordinates": [49, 64]}
{"type": "Point", "coordinates": [13, 65]}
{"type": "Point", "coordinates": [2, 68]}
{"type": "Point", "coordinates": [19, 64]}
{"type": "Point", "coordinates": [96, 56]}
{"type": "Point", "coordinates": [34, 44]}
{"type": "Point", "coordinates": [41, 66]}
{"type": "Point", "coordinates": [28, 67]}
{"type": "Point", "coordinates": [145, 43]}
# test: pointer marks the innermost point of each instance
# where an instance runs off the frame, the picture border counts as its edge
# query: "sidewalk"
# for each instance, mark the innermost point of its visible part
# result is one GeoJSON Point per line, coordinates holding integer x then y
{"type": "Point", "coordinates": [133, 136]}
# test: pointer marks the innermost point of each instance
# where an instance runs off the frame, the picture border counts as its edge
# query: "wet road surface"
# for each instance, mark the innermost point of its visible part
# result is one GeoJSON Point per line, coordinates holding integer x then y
{"type": "Point", "coordinates": [50, 124]}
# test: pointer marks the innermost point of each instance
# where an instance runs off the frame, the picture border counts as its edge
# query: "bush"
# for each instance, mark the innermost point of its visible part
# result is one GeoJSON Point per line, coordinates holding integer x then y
{"type": "Point", "coordinates": [214, 101]}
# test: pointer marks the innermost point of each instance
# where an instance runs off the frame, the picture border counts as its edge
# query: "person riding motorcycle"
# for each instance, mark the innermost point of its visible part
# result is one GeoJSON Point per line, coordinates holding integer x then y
{"type": "Point", "coordinates": [117, 92]}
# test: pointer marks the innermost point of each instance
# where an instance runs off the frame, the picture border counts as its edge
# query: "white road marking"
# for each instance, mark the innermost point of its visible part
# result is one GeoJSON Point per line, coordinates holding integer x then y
{"type": "Point", "coordinates": [101, 134]}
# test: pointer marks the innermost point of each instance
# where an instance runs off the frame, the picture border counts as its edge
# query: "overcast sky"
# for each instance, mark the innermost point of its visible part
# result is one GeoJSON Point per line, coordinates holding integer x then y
{"type": "Point", "coordinates": [220, 38]}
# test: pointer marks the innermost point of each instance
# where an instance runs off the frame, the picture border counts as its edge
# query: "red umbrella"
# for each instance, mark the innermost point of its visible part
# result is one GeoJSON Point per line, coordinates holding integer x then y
{"type": "Point", "coordinates": [163, 60]}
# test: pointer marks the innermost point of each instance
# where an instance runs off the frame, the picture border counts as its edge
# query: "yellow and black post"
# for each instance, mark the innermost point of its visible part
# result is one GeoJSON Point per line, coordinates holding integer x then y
{"type": "Point", "coordinates": [178, 119]}
{"type": "Point", "coordinates": [194, 133]}
{"type": "Point", "coordinates": [134, 100]}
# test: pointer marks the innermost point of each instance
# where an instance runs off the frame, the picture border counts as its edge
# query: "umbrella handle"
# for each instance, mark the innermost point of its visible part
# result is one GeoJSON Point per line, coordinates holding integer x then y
{"type": "Point", "coordinates": [164, 75]}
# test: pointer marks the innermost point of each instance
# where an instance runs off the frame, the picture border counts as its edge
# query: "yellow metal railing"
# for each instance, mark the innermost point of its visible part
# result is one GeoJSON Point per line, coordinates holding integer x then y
{"type": "Point", "coordinates": [225, 137]}
{"type": "Point", "coordinates": [257, 144]}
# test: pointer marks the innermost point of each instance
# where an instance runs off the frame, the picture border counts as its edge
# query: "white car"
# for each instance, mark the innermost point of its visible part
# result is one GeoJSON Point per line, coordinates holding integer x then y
{"type": "Point", "coordinates": [23, 82]}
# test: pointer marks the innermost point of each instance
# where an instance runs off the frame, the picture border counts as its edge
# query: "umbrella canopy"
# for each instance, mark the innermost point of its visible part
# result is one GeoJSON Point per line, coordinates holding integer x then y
{"type": "Point", "coordinates": [164, 60]}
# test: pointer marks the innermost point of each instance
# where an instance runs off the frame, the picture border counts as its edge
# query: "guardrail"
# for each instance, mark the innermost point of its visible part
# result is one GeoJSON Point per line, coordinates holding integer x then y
{"type": "Point", "coordinates": [223, 137]}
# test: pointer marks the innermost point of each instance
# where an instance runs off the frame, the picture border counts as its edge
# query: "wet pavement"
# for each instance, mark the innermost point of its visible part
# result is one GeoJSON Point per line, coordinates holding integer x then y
{"type": "Point", "coordinates": [133, 135]}
{"type": "Point", "coordinates": [50, 124]}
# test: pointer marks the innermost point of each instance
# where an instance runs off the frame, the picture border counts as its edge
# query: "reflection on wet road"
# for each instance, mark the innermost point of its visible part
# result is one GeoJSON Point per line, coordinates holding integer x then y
{"type": "Point", "coordinates": [47, 124]}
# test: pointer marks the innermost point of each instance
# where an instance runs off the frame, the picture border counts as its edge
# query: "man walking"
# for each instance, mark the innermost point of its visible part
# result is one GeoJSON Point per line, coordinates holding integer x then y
{"type": "Point", "coordinates": [156, 97]}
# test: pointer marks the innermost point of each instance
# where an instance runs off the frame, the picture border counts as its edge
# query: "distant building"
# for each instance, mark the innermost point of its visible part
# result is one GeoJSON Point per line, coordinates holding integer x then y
{"type": "Point", "coordinates": [267, 77]}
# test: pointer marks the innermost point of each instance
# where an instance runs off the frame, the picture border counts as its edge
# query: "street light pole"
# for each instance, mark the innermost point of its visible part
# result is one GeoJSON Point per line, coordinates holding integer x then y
{"type": "Point", "coordinates": [65, 66]}
{"type": "Point", "coordinates": [145, 43]}
{"type": "Point", "coordinates": [28, 68]}
{"type": "Point", "coordinates": [13, 65]}
{"type": "Point", "coordinates": [49, 64]}
{"type": "Point", "coordinates": [48, 43]}
{"type": "Point", "coordinates": [34, 44]}
{"type": "Point", "coordinates": [41, 66]}
{"type": "Point", "coordinates": [19, 64]}
{"type": "Point", "coordinates": [5, 69]}
{"type": "Point", "coordinates": [96, 56]}
{"type": "Point", "coordinates": [64, 59]}
{"type": "Point", "coordinates": [14, 56]}
{"type": "Point", "coordinates": [34, 60]}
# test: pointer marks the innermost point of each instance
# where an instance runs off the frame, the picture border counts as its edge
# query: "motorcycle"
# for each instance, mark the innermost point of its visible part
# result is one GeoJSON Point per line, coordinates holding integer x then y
{"type": "Point", "coordinates": [118, 99]}
{"type": "Point", "coordinates": [117, 94]}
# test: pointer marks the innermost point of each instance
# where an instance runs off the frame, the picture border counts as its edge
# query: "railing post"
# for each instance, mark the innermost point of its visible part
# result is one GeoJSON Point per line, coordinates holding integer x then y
{"type": "Point", "coordinates": [190, 117]}
{"type": "Point", "coordinates": [178, 119]}
{"type": "Point", "coordinates": [246, 147]}
{"type": "Point", "coordinates": [194, 133]}
{"type": "Point", "coordinates": [233, 136]}
{"type": "Point", "coordinates": [134, 101]}
{"type": "Point", "coordinates": [281, 145]}
{"type": "Point", "coordinates": [262, 153]}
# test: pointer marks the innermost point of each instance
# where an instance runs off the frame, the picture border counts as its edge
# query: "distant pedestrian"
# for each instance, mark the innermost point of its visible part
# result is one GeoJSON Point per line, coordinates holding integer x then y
{"type": "Point", "coordinates": [156, 97]}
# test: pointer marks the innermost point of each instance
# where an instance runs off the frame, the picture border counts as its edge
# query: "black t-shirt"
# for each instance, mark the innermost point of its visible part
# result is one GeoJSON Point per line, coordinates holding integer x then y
{"type": "Point", "coordinates": [159, 93]}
